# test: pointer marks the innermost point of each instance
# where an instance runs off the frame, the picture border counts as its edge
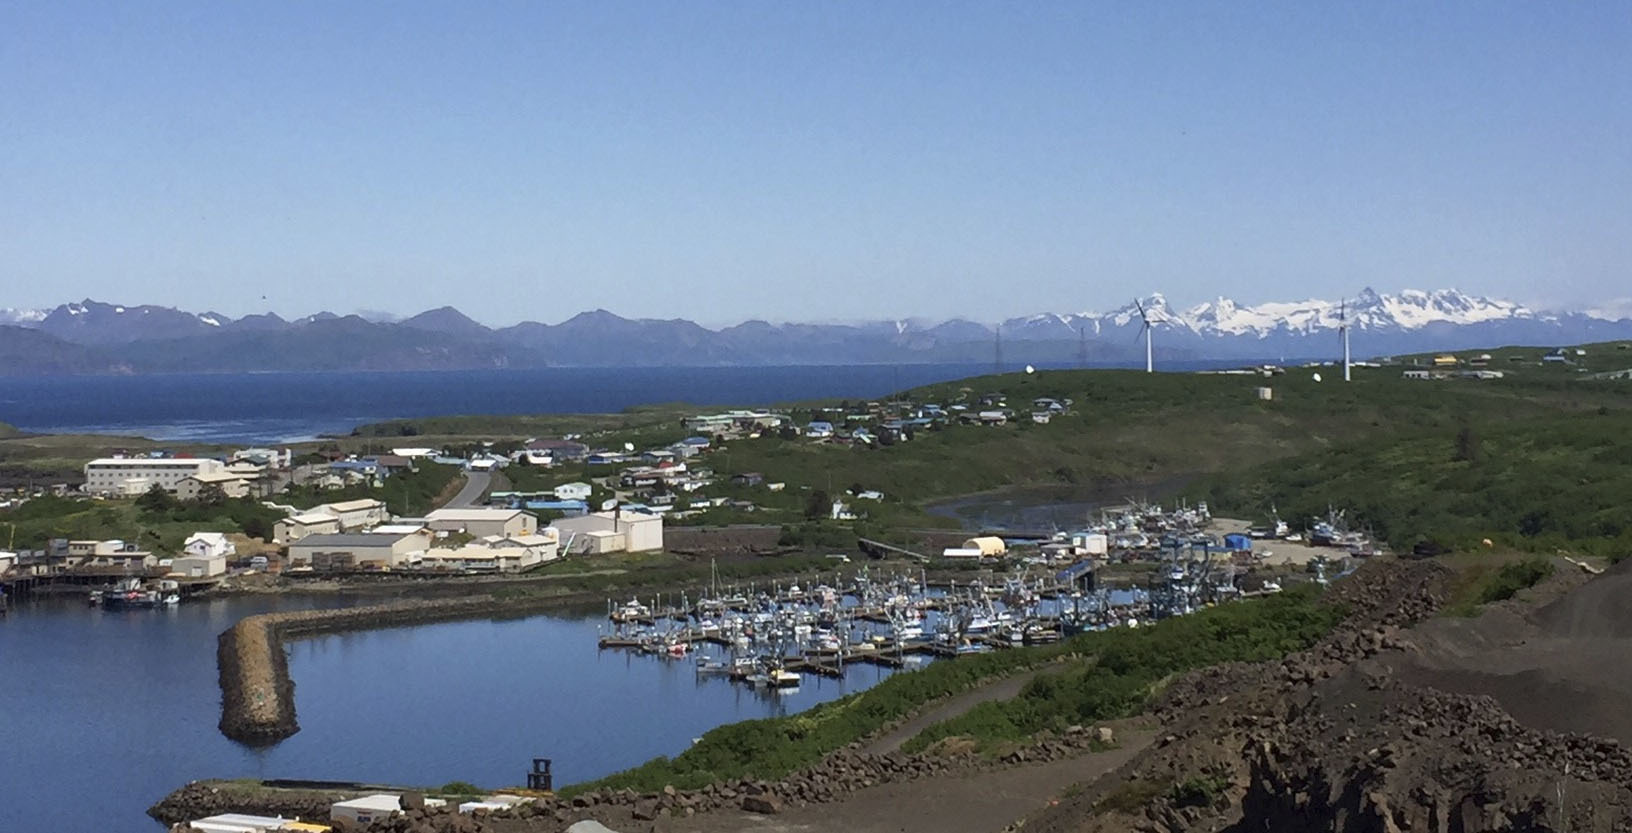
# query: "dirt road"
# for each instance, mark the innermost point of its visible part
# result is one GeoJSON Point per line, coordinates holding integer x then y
{"type": "Point", "coordinates": [980, 803]}
{"type": "Point", "coordinates": [1003, 689]}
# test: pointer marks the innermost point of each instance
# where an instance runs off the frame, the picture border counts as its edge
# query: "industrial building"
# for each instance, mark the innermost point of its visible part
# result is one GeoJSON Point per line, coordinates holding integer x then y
{"type": "Point", "coordinates": [359, 551]}
{"type": "Point", "coordinates": [480, 522]}
{"type": "Point", "coordinates": [616, 531]}
{"type": "Point", "coordinates": [132, 476]}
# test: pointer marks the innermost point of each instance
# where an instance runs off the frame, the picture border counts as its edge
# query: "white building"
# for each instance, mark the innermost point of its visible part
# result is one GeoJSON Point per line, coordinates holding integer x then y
{"type": "Point", "coordinates": [356, 514]}
{"type": "Point", "coordinates": [134, 475]}
{"type": "Point", "coordinates": [209, 545]}
{"type": "Point", "coordinates": [482, 522]}
{"type": "Point", "coordinates": [231, 484]}
{"type": "Point", "coordinates": [573, 491]}
{"type": "Point", "coordinates": [296, 527]}
{"type": "Point", "coordinates": [366, 809]}
{"type": "Point", "coordinates": [199, 566]}
{"type": "Point", "coordinates": [615, 531]}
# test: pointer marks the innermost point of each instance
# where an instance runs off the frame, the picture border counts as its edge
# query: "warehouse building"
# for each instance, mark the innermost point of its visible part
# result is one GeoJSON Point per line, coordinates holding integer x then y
{"type": "Point", "coordinates": [615, 531]}
{"type": "Point", "coordinates": [359, 551]}
{"type": "Point", "coordinates": [480, 522]}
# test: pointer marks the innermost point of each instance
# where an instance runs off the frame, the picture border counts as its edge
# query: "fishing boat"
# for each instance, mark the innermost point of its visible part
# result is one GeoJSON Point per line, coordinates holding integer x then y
{"type": "Point", "coordinates": [783, 678]}
{"type": "Point", "coordinates": [130, 593]}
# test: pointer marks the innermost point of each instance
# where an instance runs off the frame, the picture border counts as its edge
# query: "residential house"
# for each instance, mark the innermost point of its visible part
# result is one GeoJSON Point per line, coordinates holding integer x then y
{"type": "Point", "coordinates": [209, 545]}
{"type": "Point", "coordinates": [819, 430]}
{"type": "Point", "coordinates": [747, 478]}
{"type": "Point", "coordinates": [194, 486]}
{"type": "Point", "coordinates": [575, 490]}
{"type": "Point", "coordinates": [558, 451]}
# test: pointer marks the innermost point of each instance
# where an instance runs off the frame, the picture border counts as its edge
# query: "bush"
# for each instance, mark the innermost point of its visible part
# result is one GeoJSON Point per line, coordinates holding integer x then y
{"type": "Point", "coordinates": [1506, 582]}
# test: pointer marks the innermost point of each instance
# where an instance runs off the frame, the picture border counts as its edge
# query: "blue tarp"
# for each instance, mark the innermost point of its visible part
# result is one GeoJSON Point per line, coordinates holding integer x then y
{"type": "Point", "coordinates": [1237, 542]}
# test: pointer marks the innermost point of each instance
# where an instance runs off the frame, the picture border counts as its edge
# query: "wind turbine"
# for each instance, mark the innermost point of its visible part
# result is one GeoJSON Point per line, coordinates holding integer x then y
{"type": "Point", "coordinates": [1144, 317]}
{"type": "Point", "coordinates": [1343, 333]}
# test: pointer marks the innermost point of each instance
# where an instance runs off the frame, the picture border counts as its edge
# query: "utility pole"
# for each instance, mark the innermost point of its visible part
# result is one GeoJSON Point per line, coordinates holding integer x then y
{"type": "Point", "coordinates": [997, 348]}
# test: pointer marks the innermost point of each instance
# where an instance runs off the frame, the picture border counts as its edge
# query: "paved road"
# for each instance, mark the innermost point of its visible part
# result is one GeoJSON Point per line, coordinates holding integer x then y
{"type": "Point", "coordinates": [476, 484]}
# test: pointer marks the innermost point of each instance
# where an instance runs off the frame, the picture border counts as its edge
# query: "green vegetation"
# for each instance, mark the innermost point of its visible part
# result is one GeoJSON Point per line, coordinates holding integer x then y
{"type": "Point", "coordinates": [1121, 669]}
{"type": "Point", "coordinates": [155, 521]}
{"type": "Point", "coordinates": [459, 788]}
{"type": "Point", "coordinates": [408, 493]}
{"type": "Point", "coordinates": [1511, 578]}
{"type": "Point", "coordinates": [1128, 664]}
{"type": "Point", "coordinates": [1535, 483]}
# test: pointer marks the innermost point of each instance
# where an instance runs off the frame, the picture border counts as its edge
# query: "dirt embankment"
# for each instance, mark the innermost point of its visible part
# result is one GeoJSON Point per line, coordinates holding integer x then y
{"type": "Point", "coordinates": [257, 694]}
{"type": "Point", "coordinates": [1334, 739]}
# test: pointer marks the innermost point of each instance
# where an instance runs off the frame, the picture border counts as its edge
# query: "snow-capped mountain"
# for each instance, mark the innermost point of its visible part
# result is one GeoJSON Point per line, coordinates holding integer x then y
{"type": "Point", "coordinates": [151, 338]}
{"type": "Point", "coordinates": [1378, 324]}
{"type": "Point", "coordinates": [22, 317]}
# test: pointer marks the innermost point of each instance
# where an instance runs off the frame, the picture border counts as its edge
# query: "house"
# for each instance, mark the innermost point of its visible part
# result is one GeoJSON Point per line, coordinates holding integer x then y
{"type": "Point", "coordinates": [194, 486]}
{"type": "Point", "coordinates": [199, 566]}
{"type": "Point", "coordinates": [558, 451]}
{"type": "Point", "coordinates": [296, 527]}
{"type": "Point", "coordinates": [841, 511]}
{"type": "Point", "coordinates": [993, 417]}
{"type": "Point", "coordinates": [819, 430]}
{"type": "Point", "coordinates": [615, 531]}
{"type": "Point", "coordinates": [354, 551]}
{"type": "Point", "coordinates": [747, 478]}
{"type": "Point", "coordinates": [1041, 417]}
{"type": "Point", "coordinates": [480, 522]}
{"type": "Point", "coordinates": [1445, 360]}
{"type": "Point", "coordinates": [8, 562]}
{"type": "Point", "coordinates": [569, 508]}
{"type": "Point", "coordinates": [135, 475]}
{"type": "Point", "coordinates": [1052, 406]}
{"type": "Point", "coordinates": [869, 494]}
{"type": "Point", "coordinates": [1417, 374]}
{"type": "Point", "coordinates": [209, 545]}
{"type": "Point", "coordinates": [573, 491]}
{"type": "Point", "coordinates": [698, 443]}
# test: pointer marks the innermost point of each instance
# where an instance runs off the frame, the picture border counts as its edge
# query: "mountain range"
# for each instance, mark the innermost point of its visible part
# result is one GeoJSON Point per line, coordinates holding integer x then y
{"type": "Point", "coordinates": [96, 337]}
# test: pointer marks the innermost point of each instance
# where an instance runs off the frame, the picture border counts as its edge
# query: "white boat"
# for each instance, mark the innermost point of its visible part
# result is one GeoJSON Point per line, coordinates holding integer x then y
{"type": "Point", "coordinates": [783, 678]}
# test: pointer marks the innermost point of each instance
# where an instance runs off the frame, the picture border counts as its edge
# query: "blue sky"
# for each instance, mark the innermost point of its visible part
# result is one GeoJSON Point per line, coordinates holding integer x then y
{"type": "Point", "coordinates": [809, 161]}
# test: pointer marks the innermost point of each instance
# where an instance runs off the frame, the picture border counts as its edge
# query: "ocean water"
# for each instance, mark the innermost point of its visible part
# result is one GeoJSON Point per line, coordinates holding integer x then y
{"type": "Point", "coordinates": [287, 407]}
{"type": "Point", "coordinates": [248, 408]}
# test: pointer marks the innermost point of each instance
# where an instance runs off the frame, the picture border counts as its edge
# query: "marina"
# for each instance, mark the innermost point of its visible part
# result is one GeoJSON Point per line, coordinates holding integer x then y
{"type": "Point", "coordinates": [770, 637]}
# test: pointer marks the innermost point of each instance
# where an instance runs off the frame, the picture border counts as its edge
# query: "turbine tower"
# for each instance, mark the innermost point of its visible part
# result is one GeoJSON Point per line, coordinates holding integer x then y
{"type": "Point", "coordinates": [1144, 317]}
{"type": "Point", "coordinates": [1343, 333]}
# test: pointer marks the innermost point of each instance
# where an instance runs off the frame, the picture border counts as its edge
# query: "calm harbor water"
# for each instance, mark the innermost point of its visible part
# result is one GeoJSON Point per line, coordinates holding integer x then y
{"type": "Point", "coordinates": [103, 712]}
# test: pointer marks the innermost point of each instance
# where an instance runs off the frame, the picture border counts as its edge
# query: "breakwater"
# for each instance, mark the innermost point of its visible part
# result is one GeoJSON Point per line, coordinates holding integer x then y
{"type": "Point", "coordinates": [257, 693]}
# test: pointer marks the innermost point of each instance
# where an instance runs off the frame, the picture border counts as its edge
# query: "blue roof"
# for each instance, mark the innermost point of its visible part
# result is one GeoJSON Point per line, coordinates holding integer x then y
{"type": "Point", "coordinates": [695, 441]}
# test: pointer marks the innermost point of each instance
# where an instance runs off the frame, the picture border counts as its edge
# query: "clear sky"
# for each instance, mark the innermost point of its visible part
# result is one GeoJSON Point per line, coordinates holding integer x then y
{"type": "Point", "coordinates": [808, 161]}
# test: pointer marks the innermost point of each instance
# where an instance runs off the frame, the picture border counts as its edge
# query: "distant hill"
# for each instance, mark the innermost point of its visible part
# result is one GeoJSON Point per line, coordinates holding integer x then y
{"type": "Point", "coordinates": [96, 337]}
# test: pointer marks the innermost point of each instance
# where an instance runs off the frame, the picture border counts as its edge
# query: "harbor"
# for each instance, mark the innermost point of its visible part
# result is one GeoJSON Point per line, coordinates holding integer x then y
{"type": "Point", "coordinates": [1138, 566]}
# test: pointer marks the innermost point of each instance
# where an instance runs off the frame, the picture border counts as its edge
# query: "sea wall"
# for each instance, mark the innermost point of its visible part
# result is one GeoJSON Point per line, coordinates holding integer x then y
{"type": "Point", "coordinates": [257, 693]}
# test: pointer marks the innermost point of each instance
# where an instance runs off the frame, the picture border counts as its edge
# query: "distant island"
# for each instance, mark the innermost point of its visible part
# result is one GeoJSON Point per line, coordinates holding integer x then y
{"type": "Point", "coordinates": [92, 337]}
